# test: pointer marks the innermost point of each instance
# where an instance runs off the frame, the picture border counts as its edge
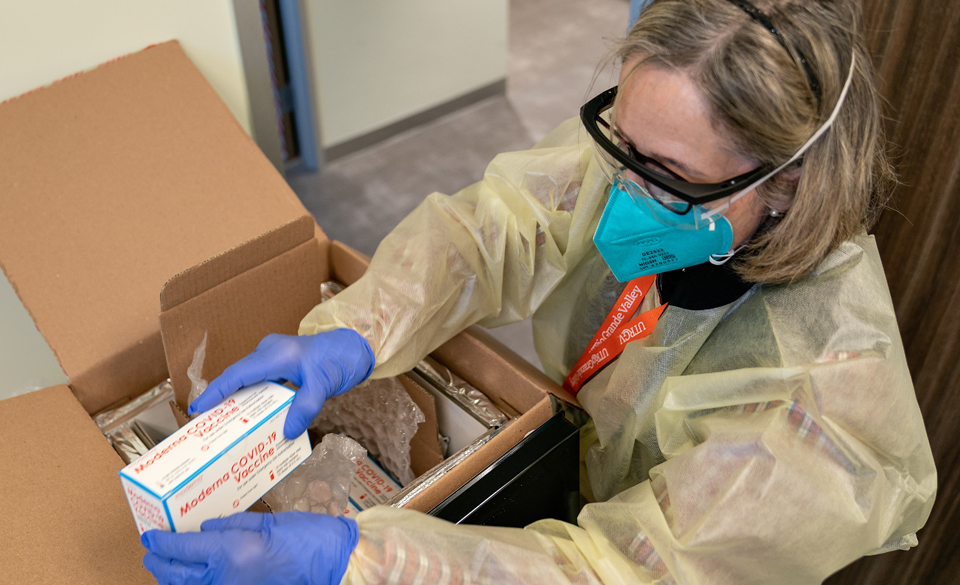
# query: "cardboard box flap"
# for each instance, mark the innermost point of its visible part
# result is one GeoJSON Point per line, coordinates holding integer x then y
{"type": "Point", "coordinates": [66, 519]}
{"type": "Point", "coordinates": [263, 286]}
{"type": "Point", "coordinates": [221, 268]}
{"type": "Point", "coordinates": [113, 181]}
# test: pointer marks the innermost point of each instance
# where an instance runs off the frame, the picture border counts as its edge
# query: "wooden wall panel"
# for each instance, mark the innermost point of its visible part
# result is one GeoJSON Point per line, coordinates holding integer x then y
{"type": "Point", "coordinates": [916, 47]}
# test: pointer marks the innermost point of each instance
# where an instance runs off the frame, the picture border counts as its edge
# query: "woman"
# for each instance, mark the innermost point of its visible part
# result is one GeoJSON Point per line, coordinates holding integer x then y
{"type": "Point", "coordinates": [758, 422]}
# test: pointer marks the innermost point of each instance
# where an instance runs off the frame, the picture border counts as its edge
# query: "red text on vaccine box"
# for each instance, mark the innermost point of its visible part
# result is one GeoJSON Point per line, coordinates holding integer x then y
{"type": "Point", "coordinates": [219, 463]}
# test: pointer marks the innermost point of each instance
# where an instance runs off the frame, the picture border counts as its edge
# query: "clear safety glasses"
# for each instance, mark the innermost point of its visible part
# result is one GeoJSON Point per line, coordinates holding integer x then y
{"type": "Point", "coordinates": [649, 182]}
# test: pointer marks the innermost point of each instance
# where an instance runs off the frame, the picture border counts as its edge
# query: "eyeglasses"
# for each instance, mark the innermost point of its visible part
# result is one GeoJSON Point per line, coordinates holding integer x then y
{"type": "Point", "coordinates": [646, 177]}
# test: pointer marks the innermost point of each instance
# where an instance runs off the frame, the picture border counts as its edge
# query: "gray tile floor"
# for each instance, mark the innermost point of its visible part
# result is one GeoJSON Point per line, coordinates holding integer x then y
{"type": "Point", "coordinates": [555, 52]}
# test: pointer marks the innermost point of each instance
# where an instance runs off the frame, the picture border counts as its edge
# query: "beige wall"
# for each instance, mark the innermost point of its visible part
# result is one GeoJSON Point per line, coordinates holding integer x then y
{"type": "Point", "coordinates": [376, 62]}
{"type": "Point", "coordinates": [44, 40]}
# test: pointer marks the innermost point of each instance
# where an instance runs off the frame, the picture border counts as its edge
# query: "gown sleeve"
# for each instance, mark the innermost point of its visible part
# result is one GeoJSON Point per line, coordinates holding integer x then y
{"type": "Point", "coordinates": [489, 254]}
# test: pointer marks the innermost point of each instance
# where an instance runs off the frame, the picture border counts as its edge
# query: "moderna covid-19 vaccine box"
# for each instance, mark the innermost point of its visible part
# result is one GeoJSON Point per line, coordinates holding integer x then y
{"type": "Point", "coordinates": [219, 463]}
{"type": "Point", "coordinates": [370, 486]}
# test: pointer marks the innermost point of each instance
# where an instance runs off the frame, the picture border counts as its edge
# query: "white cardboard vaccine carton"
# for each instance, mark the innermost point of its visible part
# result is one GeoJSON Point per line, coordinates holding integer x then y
{"type": "Point", "coordinates": [219, 463]}
{"type": "Point", "coordinates": [370, 486]}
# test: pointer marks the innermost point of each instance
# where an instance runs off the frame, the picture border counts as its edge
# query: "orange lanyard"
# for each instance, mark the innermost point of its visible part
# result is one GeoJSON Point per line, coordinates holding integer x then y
{"type": "Point", "coordinates": [616, 332]}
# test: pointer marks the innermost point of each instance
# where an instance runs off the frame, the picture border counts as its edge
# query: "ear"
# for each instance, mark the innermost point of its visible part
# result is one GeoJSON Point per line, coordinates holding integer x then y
{"type": "Point", "coordinates": [792, 175]}
{"type": "Point", "coordinates": [787, 181]}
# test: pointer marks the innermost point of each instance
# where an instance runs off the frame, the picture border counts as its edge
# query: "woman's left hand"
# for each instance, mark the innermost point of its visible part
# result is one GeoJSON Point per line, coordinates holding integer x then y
{"type": "Point", "coordinates": [249, 548]}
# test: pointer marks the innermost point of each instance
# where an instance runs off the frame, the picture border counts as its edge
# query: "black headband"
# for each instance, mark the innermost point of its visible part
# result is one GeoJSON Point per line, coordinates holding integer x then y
{"type": "Point", "coordinates": [766, 23]}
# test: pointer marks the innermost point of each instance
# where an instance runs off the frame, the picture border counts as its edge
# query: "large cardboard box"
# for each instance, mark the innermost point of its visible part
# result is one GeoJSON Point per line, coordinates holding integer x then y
{"type": "Point", "coordinates": [116, 184]}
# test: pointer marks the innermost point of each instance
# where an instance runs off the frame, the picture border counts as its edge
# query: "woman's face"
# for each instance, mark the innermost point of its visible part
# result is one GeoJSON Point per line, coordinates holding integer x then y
{"type": "Point", "coordinates": [664, 116]}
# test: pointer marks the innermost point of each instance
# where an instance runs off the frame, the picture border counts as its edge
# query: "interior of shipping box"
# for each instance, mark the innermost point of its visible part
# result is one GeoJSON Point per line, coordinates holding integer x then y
{"type": "Point", "coordinates": [236, 299]}
{"type": "Point", "coordinates": [130, 179]}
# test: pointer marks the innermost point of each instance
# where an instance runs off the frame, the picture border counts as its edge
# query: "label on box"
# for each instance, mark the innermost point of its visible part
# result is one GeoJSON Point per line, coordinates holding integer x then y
{"type": "Point", "coordinates": [219, 463]}
{"type": "Point", "coordinates": [369, 487]}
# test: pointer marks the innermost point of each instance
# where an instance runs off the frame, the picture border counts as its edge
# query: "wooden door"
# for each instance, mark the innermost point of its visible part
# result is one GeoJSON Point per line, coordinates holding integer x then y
{"type": "Point", "coordinates": [916, 48]}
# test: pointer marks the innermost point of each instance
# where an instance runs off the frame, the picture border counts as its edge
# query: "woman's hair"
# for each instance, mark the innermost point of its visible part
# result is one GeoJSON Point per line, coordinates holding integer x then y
{"type": "Point", "coordinates": [762, 98]}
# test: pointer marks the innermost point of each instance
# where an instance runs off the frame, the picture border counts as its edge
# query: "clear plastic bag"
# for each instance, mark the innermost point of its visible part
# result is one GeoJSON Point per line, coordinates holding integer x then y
{"type": "Point", "coordinates": [195, 371]}
{"type": "Point", "coordinates": [329, 289]}
{"type": "Point", "coordinates": [321, 484]}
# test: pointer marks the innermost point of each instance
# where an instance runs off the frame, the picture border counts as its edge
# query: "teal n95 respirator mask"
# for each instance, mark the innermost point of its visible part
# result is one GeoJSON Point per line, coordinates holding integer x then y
{"type": "Point", "coordinates": [653, 223]}
{"type": "Point", "coordinates": [634, 242]}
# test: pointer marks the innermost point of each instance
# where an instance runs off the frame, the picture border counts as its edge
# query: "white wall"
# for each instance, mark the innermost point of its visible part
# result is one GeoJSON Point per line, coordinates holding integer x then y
{"type": "Point", "coordinates": [376, 62]}
{"type": "Point", "coordinates": [42, 41]}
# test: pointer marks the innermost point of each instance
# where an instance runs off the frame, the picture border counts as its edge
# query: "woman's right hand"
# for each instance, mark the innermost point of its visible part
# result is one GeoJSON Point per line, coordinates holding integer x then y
{"type": "Point", "coordinates": [323, 365]}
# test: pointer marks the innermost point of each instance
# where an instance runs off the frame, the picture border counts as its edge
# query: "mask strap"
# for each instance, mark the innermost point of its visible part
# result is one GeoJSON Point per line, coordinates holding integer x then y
{"type": "Point", "coordinates": [721, 259]}
{"type": "Point", "coordinates": [806, 145]}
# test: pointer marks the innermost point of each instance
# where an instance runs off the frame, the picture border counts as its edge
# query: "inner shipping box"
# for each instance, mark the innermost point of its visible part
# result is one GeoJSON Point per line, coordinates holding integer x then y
{"type": "Point", "coordinates": [118, 183]}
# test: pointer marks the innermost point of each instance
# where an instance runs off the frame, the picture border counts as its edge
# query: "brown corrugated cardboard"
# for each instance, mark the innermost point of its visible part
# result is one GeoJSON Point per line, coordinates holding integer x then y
{"type": "Point", "coordinates": [217, 270]}
{"type": "Point", "coordinates": [425, 445]}
{"type": "Point", "coordinates": [112, 181]}
{"type": "Point", "coordinates": [65, 519]}
{"type": "Point", "coordinates": [253, 299]}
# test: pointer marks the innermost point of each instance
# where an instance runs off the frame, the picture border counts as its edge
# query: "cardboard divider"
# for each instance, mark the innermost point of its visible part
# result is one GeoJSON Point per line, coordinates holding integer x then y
{"type": "Point", "coordinates": [243, 304]}
{"type": "Point", "coordinates": [425, 445]}
{"type": "Point", "coordinates": [500, 444]}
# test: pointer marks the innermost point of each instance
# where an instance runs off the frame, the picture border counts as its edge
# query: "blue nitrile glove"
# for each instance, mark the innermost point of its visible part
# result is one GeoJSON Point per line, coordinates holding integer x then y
{"type": "Point", "coordinates": [322, 365]}
{"type": "Point", "coordinates": [250, 548]}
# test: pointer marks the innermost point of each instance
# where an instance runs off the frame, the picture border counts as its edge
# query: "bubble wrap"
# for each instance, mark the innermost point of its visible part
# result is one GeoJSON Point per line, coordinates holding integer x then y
{"type": "Point", "coordinates": [321, 484]}
{"type": "Point", "coordinates": [382, 417]}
